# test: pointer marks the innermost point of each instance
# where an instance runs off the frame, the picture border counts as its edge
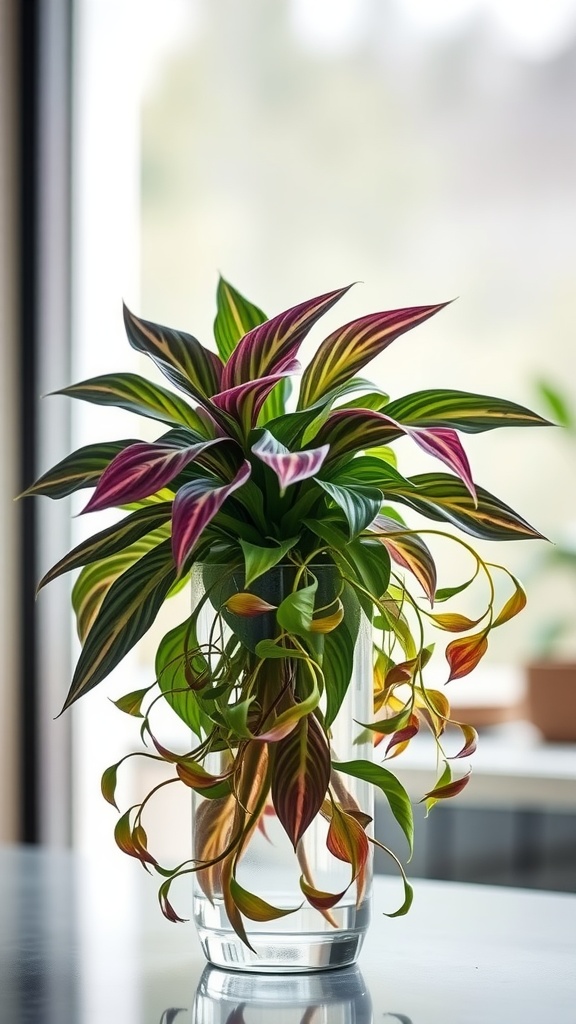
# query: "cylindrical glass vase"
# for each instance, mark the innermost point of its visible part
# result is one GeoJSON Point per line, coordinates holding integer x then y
{"type": "Point", "coordinates": [271, 865]}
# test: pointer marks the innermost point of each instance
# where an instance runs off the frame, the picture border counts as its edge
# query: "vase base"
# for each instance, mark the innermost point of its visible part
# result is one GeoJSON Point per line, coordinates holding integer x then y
{"type": "Point", "coordinates": [278, 951]}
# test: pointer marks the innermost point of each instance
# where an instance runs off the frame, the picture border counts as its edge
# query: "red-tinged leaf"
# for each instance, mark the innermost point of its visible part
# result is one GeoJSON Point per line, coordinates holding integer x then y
{"type": "Point", "coordinates": [213, 824]}
{"type": "Point", "coordinates": [131, 703]}
{"type": "Point", "coordinates": [403, 736]}
{"type": "Point", "coordinates": [166, 906]}
{"type": "Point", "coordinates": [347, 840]}
{"type": "Point", "coordinates": [386, 726]}
{"type": "Point", "coordinates": [195, 776]}
{"type": "Point", "coordinates": [444, 444]}
{"type": "Point", "coordinates": [140, 840]}
{"type": "Point", "coordinates": [408, 550]}
{"type": "Point", "coordinates": [349, 431]}
{"type": "Point", "coordinates": [318, 899]}
{"type": "Point", "coordinates": [453, 622]}
{"type": "Point", "coordinates": [440, 703]}
{"type": "Point", "coordinates": [351, 347]}
{"type": "Point", "coordinates": [514, 605]}
{"type": "Point", "coordinates": [248, 605]}
{"type": "Point", "coordinates": [195, 505]}
{"type": "Point", "coordinates": [447, 790]}
{"type": "Point", "coordinates": [464, 654]}
{"type": "Point", "coordinates": [243, 402]}
{"type": "Point", "coordinates": [123, 835]}
{"type": "Point", "coordinates": [142, 470]}
{"type": "Point", "coordinates": [180, 356]}
{"type": "Point", "coordinates": [301, 777]}
{"type": "Point", "coordinates": [254, 907]}
{"type": "Point", "coordinates": [108, 784]}
{"type": "Point", "coordinates": [273, 345]}
{"type": "Point", "coordinates": [285, 723]}
{"type": "Point", "coordinates": [390, 786]}
{"type": "Point", "coordinates": [289, 467]}
{"type": "Point", "coordinates": [470, 740]}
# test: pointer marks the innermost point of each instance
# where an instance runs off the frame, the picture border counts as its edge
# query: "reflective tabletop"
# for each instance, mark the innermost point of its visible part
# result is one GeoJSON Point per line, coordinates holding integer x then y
{"type": "Point", "coordinates": [85, 943]}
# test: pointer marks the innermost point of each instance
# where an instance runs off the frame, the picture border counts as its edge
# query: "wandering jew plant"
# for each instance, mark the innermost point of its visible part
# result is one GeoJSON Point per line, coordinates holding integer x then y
{"type": "Point", "coordinates": [245, 478]}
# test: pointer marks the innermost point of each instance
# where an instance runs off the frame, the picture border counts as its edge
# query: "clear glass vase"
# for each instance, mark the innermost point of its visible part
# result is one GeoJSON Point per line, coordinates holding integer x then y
{"type": "Point", "coordinates": [308, 939]}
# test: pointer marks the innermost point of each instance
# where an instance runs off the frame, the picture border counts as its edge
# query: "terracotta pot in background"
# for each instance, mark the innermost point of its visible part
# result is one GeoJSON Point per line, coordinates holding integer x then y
{"type": "Point", "coordinates": [551, 699]}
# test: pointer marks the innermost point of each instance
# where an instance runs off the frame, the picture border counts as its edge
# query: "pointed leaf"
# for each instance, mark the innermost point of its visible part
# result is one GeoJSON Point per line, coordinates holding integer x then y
{"type": "Point", "coordinates": [351, 347]}
{"type": "Point", "coordinates": [108, 784]}
{"type": "Point", "coordinates": [112, 540]}
{"type": "Point", "coordinates": [317, 898]}
{"type": "Point", "coordinates": [359, 504]}
{"type": "Point", "coordinates": [195, 505]}
{"type": "Point", "coordinates": [181, 669]}
{"type": "Point", "coordinates": [180, 357]}
{"type": "Point", "coordinates": [462, 411]}
{"type": "Point", "coordinates": [270, 347]}
{"type": "Point", "coordinates": [243, 402]}
{"type": "Point", "coordinates": [408, 550]}
{"type": "Point", "coordinates": [235, 317]}
{"type": "Point", "coordinates": [254, 907]}
{"type": "Point", "coordinates": [443, 497]}
{"type": "Point", "coordinates": [297, 609]}
{"type": "Point", "coordinates": [290, 467]}
{"type": "Point", "coordinates": [80, 469]}
{"type": "Point", "coordinates": [454, 623]}
{"type": "Point", "coordinates": [141, 470]}
{"type": "Point", "coordinates": [259, 559]}
{"type": "Point", "coordinates": [389, 785]}
{"type": "Point", "coordinates": [446, 790]}
{"type": "Point", "coordinates": [136, 394]}
{"type": "Point", "coordinates": [514, 605]}
{"type": "Point", "coordinates": [328, 623]}
{"type": "Point", "coordinates": [127, 612]}
{"type": "Point", "coordinates": [247, 605]}
{"type": "Point", "coordinates": [273, 649]}
{"type": "Point", "coordinates": [464, 654]}
{"type": "Point", "coordinates": [301, 777]}
{"type": "Point", "coordinates": [470, 740]}
{"type": "Point", "coordinates": [131, 703]}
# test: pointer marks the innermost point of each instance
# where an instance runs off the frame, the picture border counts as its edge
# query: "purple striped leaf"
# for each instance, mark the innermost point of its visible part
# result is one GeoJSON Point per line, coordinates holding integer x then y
{"type": "Point", "coordinates": [301, 777]}
{"type": "Point", "coordinates": [290, 467]}
{"type": "Point", "coordinates": [180, 356]}
{"type": "Point", "coordinates": [195, 505]}
{"type": "Point", "coordinates": [408, 550]}
{"type": "Point", "coordinates": [141, 470]}
{"type": "Point", "coordinates": [244, 401]}
{"type": "Point", "coordinates": [348, 431]}
{"type": "Point", "coordinates": [349, 348]}
{"type": "Point", "coordinates": [272, 346]}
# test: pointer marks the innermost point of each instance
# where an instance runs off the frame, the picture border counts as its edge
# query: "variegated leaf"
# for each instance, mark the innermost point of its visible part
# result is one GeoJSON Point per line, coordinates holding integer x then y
{"type": "Point", "coordinates": [360, 504]}
{"type": "Point", "coordinates": [80, 469]}
{"type": "Point", "coordinates": [351, 347]}
{"type": "Point", "coordinates": [141, 470]}
{"type": "Point", "coordinates": [235, 317]}
{"type": "Point", "coordinates": [136, 394]}
{"type": "Point", "coordinates": [465, 653]}
{"type": "Point", "coordinates": [180, 356]}
{"type": "Point", "coordinates": [301, 777]}
{"type": "Point", "coordinates": [462, 411]}
{"type": "Point", "coordinates": [408, 550]}
{"type": "Point", "coordinates": [443, 497]}
{"type": "Point", "coordinates": [289, 467]}
{"type": "Point", "coordinates": [127, 612]}
{"type": "Point", "coordinates": [112, 540]}
{"type": "Point", "coordinates": [195, 505]}
{"type": "Point", "coordinates": [244, 401]}
{"type": "Point", "coordinates": [273, 345]}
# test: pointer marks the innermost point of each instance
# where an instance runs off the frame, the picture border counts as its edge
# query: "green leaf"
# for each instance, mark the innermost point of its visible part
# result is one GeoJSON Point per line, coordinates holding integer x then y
{"type": "Point", "coordinates": [254, 907]}
{"type": "Point", "coordinates": [360, 504]}
{"type": "Point", "coordinates": [112, 540]}
{"type": "Point", "coordinates": [127, 612]}
{"type": "Point", "coordinates": [178, 661]}
{"type": "Point", "coordinates": [80, 469]}
{"type": "Point", "coordinates": [131, 703]}
{"type": "Point", "coordinates": [330, 532]}
{"type": "Point", "coordinates": [444, 497]}
{"type": "Point", "coordinates": [370, 565]}
{"type": "Point", "coordinates": [136, 394]}
{"type": "Point", "coordinates": [271, 649]}
{"type": "Point", "coordinates": [95, 579]}
{"type": "Point", "coordinates": [108, 784]}
{"type": "Point", "coordinates": [338, 658]}
{"type": "Point", "coordinates": [234, 318]}
{"type": "Point", "coordinates": [258, 559]}
{"type": "Point", "coordinates": [296, 611]}
{"type": "Point", "coordinates": [389, 785]}
{"type": "Point", "coordinates": [275, 404]}
{"type": "Point", "coordinates": [461, 411]}
{"type": "Point", "coordinates": [557, 403]}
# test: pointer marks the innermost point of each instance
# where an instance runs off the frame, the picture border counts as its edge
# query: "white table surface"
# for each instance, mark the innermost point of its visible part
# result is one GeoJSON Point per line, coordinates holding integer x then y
{"type": "Point", "coordinates": [82, 945]}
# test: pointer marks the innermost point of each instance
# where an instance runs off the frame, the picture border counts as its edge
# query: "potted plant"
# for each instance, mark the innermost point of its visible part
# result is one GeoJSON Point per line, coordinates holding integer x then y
{"type": "Point", "coordinates": [551, 672]}
{"type": "Point", "coordinates": [311, 601]}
